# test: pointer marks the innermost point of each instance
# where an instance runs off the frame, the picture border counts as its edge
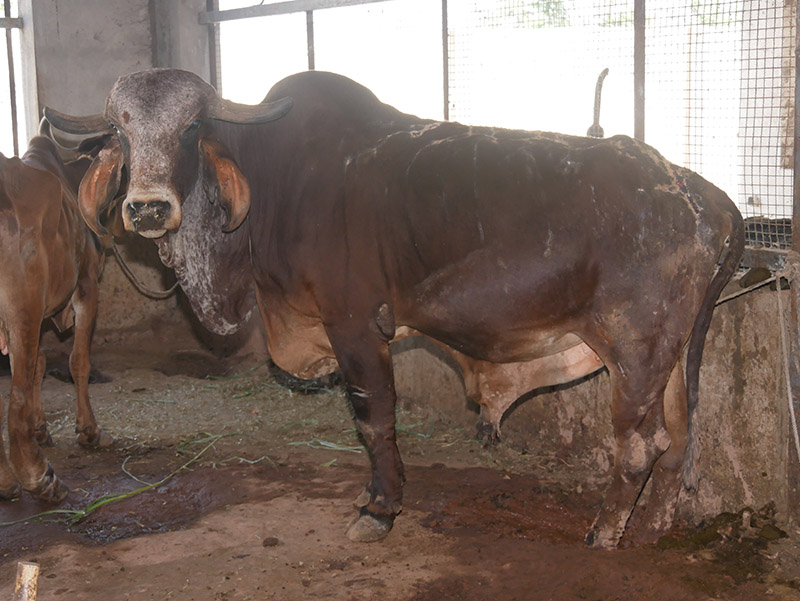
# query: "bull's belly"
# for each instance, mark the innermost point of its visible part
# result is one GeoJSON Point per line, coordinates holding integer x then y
{"type": "Point", "coordinates": [518, 347]}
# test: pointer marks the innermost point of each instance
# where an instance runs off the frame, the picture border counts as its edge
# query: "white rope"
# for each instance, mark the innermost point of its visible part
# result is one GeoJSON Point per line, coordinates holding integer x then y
{"type": "Point", "coordinates": [786, 365]}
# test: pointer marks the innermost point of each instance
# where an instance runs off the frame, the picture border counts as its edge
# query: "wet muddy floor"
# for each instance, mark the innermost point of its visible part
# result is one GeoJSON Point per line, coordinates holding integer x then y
{"type": "Point", "coordinates": [233, 487]}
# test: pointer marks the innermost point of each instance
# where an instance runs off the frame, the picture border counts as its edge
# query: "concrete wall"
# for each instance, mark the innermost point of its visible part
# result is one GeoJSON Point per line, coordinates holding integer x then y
{"type": "Point", "coordinates": [742, 415]}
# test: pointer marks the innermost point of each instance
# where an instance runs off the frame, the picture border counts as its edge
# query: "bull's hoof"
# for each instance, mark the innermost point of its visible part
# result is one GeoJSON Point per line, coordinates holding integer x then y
{"type": "Point", "coordinates": [367, 528]}
{"type": "Point", "coordinates": [487, 434]}
{"type": "Point", "coordinates": [98, 440]}
{"type": "Point", "coordinates": [362, 499]}
{"type": "Point", "coordinates": [10, 493]}
{"type": "Point", "coordinates": [50, 488]}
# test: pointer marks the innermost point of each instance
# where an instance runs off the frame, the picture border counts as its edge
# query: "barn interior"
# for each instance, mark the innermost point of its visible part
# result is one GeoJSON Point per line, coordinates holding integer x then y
{"type": "Point", "coordinates": [259, 469]}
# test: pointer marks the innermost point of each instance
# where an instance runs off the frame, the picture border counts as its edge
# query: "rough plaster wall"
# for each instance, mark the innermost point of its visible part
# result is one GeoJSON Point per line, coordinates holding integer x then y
{"type": "Point", "coordinates": [82, 46]}
{"type": "Point", "coordinates": [741, 416]}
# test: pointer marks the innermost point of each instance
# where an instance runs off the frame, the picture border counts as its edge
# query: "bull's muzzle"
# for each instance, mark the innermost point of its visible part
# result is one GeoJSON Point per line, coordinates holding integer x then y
{"type": "Point", "coordinates": [151, 215]}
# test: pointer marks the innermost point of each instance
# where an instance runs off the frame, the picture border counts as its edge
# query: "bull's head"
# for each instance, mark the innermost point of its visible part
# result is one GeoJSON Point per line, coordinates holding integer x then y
{"type": "Point", "coordinates": [160, 125]}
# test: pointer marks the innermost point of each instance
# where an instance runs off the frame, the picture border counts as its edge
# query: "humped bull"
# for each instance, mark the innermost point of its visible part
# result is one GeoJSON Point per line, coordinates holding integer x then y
{"type": "Point", "coordinates": [355, 224]}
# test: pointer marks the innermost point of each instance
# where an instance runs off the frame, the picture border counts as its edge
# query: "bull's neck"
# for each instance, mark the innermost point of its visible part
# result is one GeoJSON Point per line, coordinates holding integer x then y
{"type": "Point", "coordinates": [213, 267]}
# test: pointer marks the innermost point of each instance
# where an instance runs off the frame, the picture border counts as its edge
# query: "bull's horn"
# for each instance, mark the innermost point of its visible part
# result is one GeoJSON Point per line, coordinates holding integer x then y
{"type": "Point", "coordinates": [227, 110]}
{"type": "Point", "coordinates": [91, 124]}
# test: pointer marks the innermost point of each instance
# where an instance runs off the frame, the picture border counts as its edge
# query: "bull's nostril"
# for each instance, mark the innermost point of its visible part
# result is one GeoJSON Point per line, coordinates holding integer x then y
{"type": "Point", "coordinates": [148, 215]}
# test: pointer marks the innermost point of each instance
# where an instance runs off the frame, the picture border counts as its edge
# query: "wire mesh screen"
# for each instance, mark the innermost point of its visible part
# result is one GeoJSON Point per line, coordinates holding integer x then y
{"type": "Point", "coordinates": [720, 98]}
{"type": "Point", "coordinates": [534, 64]}
{"type": "Point", "coordinates": [719, 84]}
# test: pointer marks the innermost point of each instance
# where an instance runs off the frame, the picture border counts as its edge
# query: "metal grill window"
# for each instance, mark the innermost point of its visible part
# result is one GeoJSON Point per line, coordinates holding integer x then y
{"type": "Point", "coordinates": [719, 77]}
{"type": "Point", "coordinates": [12, 111]}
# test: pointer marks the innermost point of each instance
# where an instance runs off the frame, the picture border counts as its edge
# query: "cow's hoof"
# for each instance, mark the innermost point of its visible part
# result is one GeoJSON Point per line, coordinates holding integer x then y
{"type": "Point", "coordinates": [43, 437]}
{"type": "Point", "coordinates": [50, 488]}
{"type": "Point", "coordinates": [362, 499]}
{"type": "Point", "coordinates": [10, 493]}
{"type": "Point", "coordinates": [367, 528]}
{"type": "Point", "coordinates": [99, 440]}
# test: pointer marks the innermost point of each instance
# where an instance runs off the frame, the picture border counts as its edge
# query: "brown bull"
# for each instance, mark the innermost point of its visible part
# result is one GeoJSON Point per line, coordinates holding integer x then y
{"type": "Point", "coordinates": [50, 266]}
{"type": "Point", "coordinates": [356, 224]}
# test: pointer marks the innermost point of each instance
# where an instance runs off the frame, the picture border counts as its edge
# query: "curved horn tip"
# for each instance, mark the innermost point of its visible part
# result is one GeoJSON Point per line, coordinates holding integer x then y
{"type": "Point", "coordinates": [234, 112]}
{"type": "Point", "coordinates": [90, 124]}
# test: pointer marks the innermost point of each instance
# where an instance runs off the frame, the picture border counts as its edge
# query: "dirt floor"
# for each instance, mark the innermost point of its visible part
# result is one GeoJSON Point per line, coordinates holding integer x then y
{"type": "Point", "coordinates": [266, 489]}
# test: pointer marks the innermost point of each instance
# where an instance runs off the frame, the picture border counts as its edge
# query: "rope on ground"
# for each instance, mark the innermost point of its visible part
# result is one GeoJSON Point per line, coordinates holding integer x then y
{"type": "Point", "coordinates": [154, 294]}
{"type": "Point", "coordinates": [733, 295]}
{"type": "Point", "coordinates": [785, 352]}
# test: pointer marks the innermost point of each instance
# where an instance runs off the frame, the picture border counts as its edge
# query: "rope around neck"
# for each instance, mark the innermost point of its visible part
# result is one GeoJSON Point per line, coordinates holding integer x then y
{"type": "Point", "coordinates": [154, 294]}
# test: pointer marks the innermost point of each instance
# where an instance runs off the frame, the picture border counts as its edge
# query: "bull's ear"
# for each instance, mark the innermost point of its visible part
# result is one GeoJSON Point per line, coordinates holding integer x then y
{"type": "Point", "coordinates": [234, 192]}
{"type": "Point", "coordinates": [99, 186]}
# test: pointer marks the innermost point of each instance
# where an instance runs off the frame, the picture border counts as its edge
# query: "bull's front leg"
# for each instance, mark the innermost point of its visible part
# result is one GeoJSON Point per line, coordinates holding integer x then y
{"type": "Point", "coordinates": [366, 364]}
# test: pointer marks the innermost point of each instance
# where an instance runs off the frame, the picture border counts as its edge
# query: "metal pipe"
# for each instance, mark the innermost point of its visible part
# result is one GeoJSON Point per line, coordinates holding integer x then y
{"type": "Point", "coordinates": [638, 68]}
{"type": "Point", "coordinates": [310, 38]}
{"type": "Point", "coordinates": [12, 85]}
{"type": "Point", "coordinates": [792, 462]}
{"type": "Point", "coordinates": [278, 8]}
{"type": "Point", "coordinates": [445, 62]}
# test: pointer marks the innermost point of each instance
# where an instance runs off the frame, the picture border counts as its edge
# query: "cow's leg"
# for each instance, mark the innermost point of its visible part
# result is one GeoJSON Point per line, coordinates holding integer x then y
{"type": "Point", "coordinates": [84, 301]}
{"type": "Point", "coordinates": [39, 420]}
{"type": "Point", "coordinates": [9, 487]}
{"type": "Point", "coordinates": [29, 464]}
{"type": "Point", "coordinates": [366, 365]}
{"type": "Point", "coordinates": [641, 437]}
{"type": "Point", "coordinates": [666, 477]}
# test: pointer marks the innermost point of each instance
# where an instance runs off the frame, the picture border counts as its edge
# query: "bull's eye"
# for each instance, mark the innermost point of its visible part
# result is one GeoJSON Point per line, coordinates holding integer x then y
{"type": "Point", "coordinates": [190, 132]}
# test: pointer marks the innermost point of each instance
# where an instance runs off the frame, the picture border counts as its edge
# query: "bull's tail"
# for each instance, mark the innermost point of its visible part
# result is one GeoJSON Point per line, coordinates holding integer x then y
{"type": "Point", "coordinates": [730, 256]}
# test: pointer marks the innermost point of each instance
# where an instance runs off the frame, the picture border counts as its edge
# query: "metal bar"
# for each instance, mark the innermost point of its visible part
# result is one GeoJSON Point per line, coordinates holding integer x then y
{"type": "Point", "coordinates": [792, 461]}
{"type": "Point", "coordinates": [12, 85]}
{"type": "Point", "coordinates": [10, 22]}
{"type": "Point", "coordinates": [279, 8]}
{"type": "Point", "coordinates": [213, 48]}
{"type": "Point", "coordinates": [310, 38]}
{"type": "Point", "coordinates": [638, 68]}
{"type": "Point", "coordinates": [445, 62]}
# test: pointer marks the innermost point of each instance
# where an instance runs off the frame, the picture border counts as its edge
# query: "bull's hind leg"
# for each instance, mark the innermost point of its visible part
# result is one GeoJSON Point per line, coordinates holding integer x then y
{"type": "Point", "coordinates": [27, 460]}
{"type": "Point", "coordinates": [641, 437]}
{"type": "Point", "coordinates": [657, 516]}
{"type": "Point", "coordinates": [367, 368]}
{"type": "Point", "coordinates": [84, 301]}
